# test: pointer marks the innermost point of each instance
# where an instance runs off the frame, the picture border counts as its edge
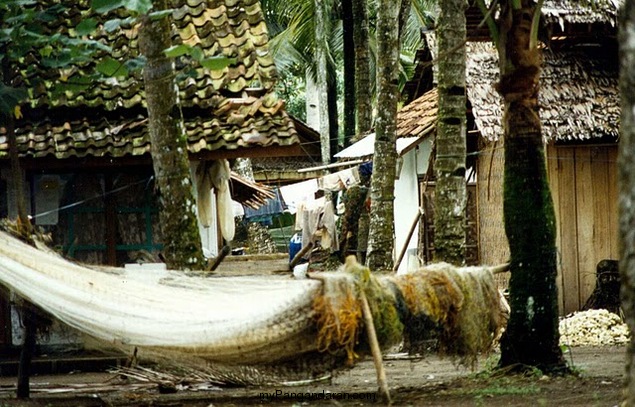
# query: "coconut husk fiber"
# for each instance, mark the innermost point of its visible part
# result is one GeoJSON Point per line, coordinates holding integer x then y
{"type": "Point", "coordinates": [462, 305]}
{"type": "Point", "coordinates": [338, 312]}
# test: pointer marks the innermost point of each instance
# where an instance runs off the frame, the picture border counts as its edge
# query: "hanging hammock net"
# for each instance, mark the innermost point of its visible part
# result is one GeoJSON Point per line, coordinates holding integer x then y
{"type": "Point", "coordinates": [253, 320]}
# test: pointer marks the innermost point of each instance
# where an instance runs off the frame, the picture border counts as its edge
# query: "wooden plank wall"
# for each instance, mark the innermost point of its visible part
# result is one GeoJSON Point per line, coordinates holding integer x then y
{"type": "Point", "coordinates": [583, 183]}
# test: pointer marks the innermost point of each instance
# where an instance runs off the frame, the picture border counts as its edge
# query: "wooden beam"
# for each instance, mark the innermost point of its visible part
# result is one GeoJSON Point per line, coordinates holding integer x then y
{"type": "Point", "coordinates": [53, 163]}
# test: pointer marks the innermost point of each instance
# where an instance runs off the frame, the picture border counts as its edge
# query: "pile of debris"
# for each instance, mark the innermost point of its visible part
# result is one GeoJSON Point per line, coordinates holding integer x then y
{"type": "Point", "coordinates": [595, 327]}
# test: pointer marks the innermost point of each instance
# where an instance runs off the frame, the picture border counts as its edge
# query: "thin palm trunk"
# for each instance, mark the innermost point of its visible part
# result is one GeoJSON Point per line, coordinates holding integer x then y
{"type": "Point", "coordinates": [334, 127]}
{"type": "Point", "coordinates": [322, 78]}
{"type": "Point", "coordinates": [182, 243]}
{"type": "Point", "coordinates": [363, 90]}
{"type": "Point", "coordinates": [449, 166]}
{"type": "Point", "coordinates": [381, 233]}
{"type": "Point", "coordinates": [348, 22]}
{"type": "Point", "coordinates": [531, 337]}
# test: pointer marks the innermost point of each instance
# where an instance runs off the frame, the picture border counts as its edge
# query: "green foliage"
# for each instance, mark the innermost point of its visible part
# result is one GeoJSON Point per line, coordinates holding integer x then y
{"type": "Point", "coordinates": [138, 6]}
{"type": "Point", "coordinates": [291, 26]}
{"type": "Point", "coordinates": [115, 23]}
{"type": "Point", "coordinates": [111, 67]}
{"type": "Point", "coordinates": [10, 97]}
{"type": "Point", "coordinates": [213, 63]}
{"type": "Point", "coordinates": [291, 89]}
{"type": "Point", "coordinates": [22, 32]}
{"type": "Point", "coordinates": [86, 26]}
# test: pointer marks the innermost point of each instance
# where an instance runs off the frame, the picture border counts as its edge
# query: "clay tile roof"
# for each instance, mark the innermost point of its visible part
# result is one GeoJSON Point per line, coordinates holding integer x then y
{"type": "Point", "coordinates": [419, 117]}
{"type": "Point", "coordinates": [226, 109]}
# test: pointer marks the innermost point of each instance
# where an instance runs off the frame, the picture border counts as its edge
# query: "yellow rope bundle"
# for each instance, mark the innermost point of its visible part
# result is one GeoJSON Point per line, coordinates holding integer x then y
{"type": "Point", "coordinates": [339, 314]}
{"type": "Point", "coordinates": [463, 302]}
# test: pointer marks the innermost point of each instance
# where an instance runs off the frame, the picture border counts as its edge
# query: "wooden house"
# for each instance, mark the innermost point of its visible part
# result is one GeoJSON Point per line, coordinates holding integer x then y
{"type": "Point", "coordinates": [84, 146]}
{"type": "Point", "coordinates": [579, 110]}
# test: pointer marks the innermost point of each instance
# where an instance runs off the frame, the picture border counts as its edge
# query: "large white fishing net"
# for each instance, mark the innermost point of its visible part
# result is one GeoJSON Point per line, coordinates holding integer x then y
{"type": "Point", "coordinates": [307, 324]}
{"type": "Point", "coordinates": [230, 319]}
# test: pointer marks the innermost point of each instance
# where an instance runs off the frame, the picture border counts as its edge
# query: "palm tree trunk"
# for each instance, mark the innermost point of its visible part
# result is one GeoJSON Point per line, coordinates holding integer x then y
{"type": "Point", "coordinates": [348, 21]}
{"type": "Point", "coordinates": [182, 243]}
{"type": "Point", "coordinates": [626, 179]}
{"type": "Point", "coordinates": [322, 78]}
{"type": "Point", "coordinates": [363, 91]}
{"type": "Point", "coordinates": [531, 337]}
{"type": "Point", "coordinates": [450, 191]}
{"type": "Point", "coordinates": [334, 127]}
{"type": "Point", "coordinates": [382, 228]}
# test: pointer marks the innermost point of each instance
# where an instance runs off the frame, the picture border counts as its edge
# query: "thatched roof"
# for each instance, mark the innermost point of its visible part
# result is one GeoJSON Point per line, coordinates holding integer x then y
{"type": "Point", "coordinates": [563, 16]}
{"type": "Point", "coordinates": [579, 96]}
{"type": "Point", "coordinates": [565, 12]}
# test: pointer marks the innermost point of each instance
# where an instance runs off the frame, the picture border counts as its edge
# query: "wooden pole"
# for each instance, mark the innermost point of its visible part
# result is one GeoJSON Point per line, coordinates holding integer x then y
{"type": "Point", "coordinates": [26, 355]}
{"type": "Point", "coordinates": [300, 254]}
{"type": "Point", "coordinates": [223, 253]}
{"type": "Point", "coordinates": [375, 350]}
{"type": "Point", "coordinates": [405, 244]}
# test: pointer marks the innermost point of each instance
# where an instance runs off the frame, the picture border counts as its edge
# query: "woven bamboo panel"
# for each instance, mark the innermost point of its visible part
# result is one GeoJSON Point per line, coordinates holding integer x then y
{"type": "Point", "coordinates": [493, 246]}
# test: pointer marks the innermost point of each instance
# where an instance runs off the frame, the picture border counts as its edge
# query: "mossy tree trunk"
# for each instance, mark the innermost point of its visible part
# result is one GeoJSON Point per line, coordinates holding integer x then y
{"type": "Point", "coordinates": [182, 243]}
{"type": "Point", "coordinates": [531, 337]}
{"type": "Point", "coordinates": [363, 90]}
{"type": "Point", "coordinates": [626, 180]}
{"type": "Point", "coordinates": [382, 193]}
{"type": "Point", "coordinates": [450, 191]}
{"type": "Point", "coordinates": [17, 177]}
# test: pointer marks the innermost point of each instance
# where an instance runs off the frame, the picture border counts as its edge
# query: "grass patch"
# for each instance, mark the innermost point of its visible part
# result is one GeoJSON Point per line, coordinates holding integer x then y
{"type": "Point", "coordinates": [505, 390]}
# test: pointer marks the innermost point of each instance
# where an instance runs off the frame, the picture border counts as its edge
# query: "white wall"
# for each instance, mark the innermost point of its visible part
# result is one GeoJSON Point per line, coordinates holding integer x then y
{"type": "Point", "coordinates": [414, 163]}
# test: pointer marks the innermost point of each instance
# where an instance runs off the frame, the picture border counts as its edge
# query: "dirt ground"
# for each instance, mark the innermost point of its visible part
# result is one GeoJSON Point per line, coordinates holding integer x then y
{"type": "Point", "coordinates": [424, 382]}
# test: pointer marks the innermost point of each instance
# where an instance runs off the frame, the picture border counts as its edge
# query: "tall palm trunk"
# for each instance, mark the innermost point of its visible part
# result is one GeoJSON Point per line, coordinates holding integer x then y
{"type": "Point", "coordinates": [382, 228]}
{"type": "Point", "coordinates": [626, 179]}
{"type": "Point", "coordinates": [531, 337]}
{"type": "Point", "coordinates": [322, 78]}
{"type": "Point", "coordinates": [348, 21]}
{"type": "Point", "coordinates": [334, 127]}
{"type": "Point", "coordinates": [449, 166]}
{"type": "Point", "coordinates": [363, 91]}
{"type": "Point", "coordinates": [182, 243]}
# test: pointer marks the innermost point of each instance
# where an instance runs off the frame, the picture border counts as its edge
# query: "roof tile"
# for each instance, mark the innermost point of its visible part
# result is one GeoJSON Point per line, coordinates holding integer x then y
{"type": "Point", "coordinates": [110, 117]}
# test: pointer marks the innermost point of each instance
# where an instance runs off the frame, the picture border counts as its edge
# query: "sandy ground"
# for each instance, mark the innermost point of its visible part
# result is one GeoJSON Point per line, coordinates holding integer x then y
{"type": "Point", "coordinates": [431, 381]}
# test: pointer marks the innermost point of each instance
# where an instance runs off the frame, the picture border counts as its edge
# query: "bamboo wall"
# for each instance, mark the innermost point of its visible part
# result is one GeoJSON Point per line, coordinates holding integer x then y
{"type": "Point", "coordinates": [583, 183]}
{"type": "Point", "coordinates": [493, 246]}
